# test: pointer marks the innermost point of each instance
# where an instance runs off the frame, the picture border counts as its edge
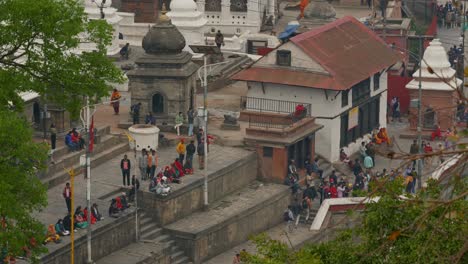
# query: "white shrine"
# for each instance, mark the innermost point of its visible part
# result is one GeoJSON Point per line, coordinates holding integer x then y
{"type": "Point", "coordinates": [240, 22]}
{"type": "Point", "coordinates": [189, 21]}
{"type": "Point", "coordinates": [93, 10]}
{"type": "Point", "coordinates": [237, 16]}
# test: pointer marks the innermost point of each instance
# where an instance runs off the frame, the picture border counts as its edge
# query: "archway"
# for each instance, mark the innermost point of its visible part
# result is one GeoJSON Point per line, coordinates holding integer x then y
{"type": "Point", "coordinates": [429, 118]}
{"type": "Point", "coordinates": [36, 113]}
{"type": "Point", "coordinates": [157, 105]}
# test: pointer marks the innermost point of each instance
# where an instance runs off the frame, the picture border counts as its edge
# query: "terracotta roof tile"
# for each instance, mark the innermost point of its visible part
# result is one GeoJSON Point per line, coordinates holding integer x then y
{"type": "Point", "coordinates": [346, 48]}
{"type": "Point", "coordinates": [288, 77]}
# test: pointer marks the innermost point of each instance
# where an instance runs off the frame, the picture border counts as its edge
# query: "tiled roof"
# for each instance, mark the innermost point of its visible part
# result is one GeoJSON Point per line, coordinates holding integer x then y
{"type": "Point", "coordinates": [286, 76]}
{"type": "Point", "coordinates": [346, 48]}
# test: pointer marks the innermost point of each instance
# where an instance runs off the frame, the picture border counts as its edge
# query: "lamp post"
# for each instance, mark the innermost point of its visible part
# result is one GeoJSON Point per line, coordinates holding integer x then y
{"type": "Point", "coordinates": [85, 115]}
{"type": "Point", "coordinates": [419, 58]}
{"type": "Point", "coordinates": [206, 49]}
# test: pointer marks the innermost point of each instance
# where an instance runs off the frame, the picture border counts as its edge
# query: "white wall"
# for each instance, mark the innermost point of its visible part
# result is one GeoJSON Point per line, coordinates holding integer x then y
{"type": "Point", "coordinates": [298, 59]}
{"type": "Point", "coordinates": [316, 97]}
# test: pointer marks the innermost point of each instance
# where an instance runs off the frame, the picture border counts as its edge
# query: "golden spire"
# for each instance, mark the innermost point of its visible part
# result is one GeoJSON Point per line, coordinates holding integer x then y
{"type": "Point", "coordinates": [164, 17]}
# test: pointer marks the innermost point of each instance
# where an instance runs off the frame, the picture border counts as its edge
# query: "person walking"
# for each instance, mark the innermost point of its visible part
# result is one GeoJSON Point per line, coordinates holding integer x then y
{"type": "Point", "coordinates": [135, 109]}
{"type": "Point", "coordinates": [114, 101]}
{"type": "Point", "coordinates": [53, 137]}
{"type": "Point", "coordinates": [179, 121]}
{"type": "Point", "coordinates": [181, 150]}
{"type": "Point", "coordinates": [67, 195]}
{"type": "Point", "coordinates": [219, 39]}
{"type": "Point", "coordinates": [143, 164]}
{"type": "Point", "coordinates": [190, 119]}
{"type": "Point", "coordinates": [125, 166]}
{"type": "Point", "coordinates": [201, 155]}
{"type": "Point", "coordinates": [190, 150]}
{"type": "Point", "coordinates": [154, 163]}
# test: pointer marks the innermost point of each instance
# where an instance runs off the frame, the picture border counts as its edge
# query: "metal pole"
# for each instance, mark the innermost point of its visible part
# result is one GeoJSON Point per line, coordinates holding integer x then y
{"type": "Point", "coordinates": [44, 119]}
{"type": "Point", "coordinates": [205, 136]}
{"type": "Point", "coordinates": [463, 48]}
{"type": "Point", "coordinates": [88, 179]}
{"type": "Point", "coordinates": [136, 191]}
{"type": "Point", "coordinates": [72, 215]}
{"type": "Point", "coordinates": [420, 113]}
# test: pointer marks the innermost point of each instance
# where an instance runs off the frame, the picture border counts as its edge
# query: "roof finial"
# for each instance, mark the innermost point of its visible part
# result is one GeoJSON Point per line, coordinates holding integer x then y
{"type": "Point", "coordinates": [164, 17]}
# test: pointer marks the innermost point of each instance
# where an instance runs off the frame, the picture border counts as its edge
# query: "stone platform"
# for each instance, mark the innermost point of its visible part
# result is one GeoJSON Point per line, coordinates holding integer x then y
{"type": "Point", "coordinates": [229, 169]}
{"type": "Point", "coordinates": [231, 220]}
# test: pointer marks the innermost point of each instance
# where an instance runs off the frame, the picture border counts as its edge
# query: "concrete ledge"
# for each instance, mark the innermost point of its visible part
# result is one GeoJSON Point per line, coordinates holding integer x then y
{"type": "Point", "coordinates": [337, 204]}
{"type": "Point", "coordinates": [189, 198]}
{"type": "Point", "coordinates": [231, 221]}
{"type": "Point", "coordinates": [106, 239]}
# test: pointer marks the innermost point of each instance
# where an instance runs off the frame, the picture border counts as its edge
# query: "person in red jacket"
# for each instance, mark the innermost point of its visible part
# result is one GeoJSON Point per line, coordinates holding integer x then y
{"type": "Point", "coordinates": [333, 191]}
{"type": "Point", "coordinates": [86, 213]}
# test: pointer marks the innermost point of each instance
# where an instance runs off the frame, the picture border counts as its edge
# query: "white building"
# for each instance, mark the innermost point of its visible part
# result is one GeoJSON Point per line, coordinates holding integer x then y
{"type": "Point", "coordinates": [340, 69]}
{"type": "Point", "coordinates": [93, 10]}
{"type": "Point", "coordinates": [237, 16]}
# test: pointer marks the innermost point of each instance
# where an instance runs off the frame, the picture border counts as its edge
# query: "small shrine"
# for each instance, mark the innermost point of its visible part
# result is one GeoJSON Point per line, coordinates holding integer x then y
{"type": "Point", "coordinates": [439, 90]}
{"type": "Point", "coordinates": [189, 21]}
{"type": "Point", "coordinates": [164, 80]}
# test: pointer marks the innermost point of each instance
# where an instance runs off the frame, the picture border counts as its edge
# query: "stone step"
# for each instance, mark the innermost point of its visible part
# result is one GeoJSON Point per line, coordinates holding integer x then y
{"type": "Point", "coordinates": [135, 253]}
{"type": "Point", "coordinates": [74, 157]}
{"type": "Point", "coordinates": [183, 260]}
{"type": "Point", "coordinates": [144, 221]}
{"type": "Point", "coordinates": [60, 151]}
{"type": "Point", "coordinates": [151, 234]}
{"type": "Point", "coordinates": [148, 227]}
{"type": "Point", "coordinates": [160, 238]}
{"type": "Point", "coordinates": [62, 176]}
{"type": "Point", "coordinates": [231, 220]}
{"type": "Point", "coordinates": [175, 256]}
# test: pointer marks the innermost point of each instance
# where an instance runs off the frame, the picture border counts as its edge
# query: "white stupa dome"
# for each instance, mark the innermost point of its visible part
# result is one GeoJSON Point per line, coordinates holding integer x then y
{"type": "Point", "coordinates": [97, 3]}
{"type": "Point", "coordinates": [183, 6]}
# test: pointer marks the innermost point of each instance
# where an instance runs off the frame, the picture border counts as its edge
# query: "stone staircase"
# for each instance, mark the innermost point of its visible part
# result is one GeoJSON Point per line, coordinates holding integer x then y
{"type": "Point", "coordinates": [230, 220]}
{"type": "Point", "coordinates": [151, 232]}
{"type": "Point", "coordinates": [153, 247]}
{"type": "Point", "coordinates": [340, 171]}
{"type": "Point", "coordinates": [106, 147]}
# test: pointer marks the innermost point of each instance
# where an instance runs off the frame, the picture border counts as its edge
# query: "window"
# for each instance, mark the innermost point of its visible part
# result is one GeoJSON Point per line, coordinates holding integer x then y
{"type": "Point", "coordinates": [344, 98]}
{"type": "Point", "coordinates": [283, 57]}
{"type": "Point", "coordinates": [267, 152]}
{"type": "Point", "coordinates": [368, 119]}
{"type": "Point", "coordinates": [377, 81]}
{"type": "Point", "coordinates": [158, 103]}
{"type": "Point", "coordinates": [361, 91]}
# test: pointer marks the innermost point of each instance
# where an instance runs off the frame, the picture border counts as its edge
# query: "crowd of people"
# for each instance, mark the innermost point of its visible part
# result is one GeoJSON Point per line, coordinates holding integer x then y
{"type": "Point", "coordinates": [161, 176]}
{"type": "Point", "coordinates": [74, 140]}
{"type": "Point", "coordinates": [450, 15]}
{"type": "Point", "coordinates": [63, 226]}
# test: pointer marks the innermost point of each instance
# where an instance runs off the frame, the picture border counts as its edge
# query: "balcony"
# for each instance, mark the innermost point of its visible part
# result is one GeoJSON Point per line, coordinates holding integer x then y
{"type": "Point", "coordinates": [269, 118]}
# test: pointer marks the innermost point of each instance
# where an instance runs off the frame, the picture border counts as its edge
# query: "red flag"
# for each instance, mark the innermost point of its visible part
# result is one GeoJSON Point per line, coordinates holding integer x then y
{"type": "Point", "coordinates": [91, 135]}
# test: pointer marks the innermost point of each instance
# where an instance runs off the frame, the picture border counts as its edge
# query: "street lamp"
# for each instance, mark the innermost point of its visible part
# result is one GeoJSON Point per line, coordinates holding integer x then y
{"type": "Point", "coordinates": [206, 49]}
{"type": "Point", "coordinates": [85, 116]}
{"type": "Point", "coordinates": [419, 129]}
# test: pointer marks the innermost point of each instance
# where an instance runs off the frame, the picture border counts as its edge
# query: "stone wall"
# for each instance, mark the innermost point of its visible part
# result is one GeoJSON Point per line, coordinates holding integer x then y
{"type": "Point", "coordinates": [106, 239]}
{"type": "Point", "coordinates": [216, 239]}
{"type": "Point", "coordinates": [185, 201]}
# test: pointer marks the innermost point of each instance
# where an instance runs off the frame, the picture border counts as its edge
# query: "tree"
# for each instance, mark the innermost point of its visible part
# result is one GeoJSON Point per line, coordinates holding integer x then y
{"type": "Point", "coordinates": [38, 52]}
{"type": "Point", "coordinates": [20, 188]}
{"type": "Point", "coordinates": [429, 227]}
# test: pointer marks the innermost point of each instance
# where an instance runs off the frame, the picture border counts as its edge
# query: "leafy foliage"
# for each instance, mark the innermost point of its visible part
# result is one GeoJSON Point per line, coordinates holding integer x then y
{"type": "Point", "coordinates": [429, 227]}
{"type": "Point", "coordinates": [275, 252]}
{"type": "Point", "coordinates": [38, 52]}
{"type": "Point", "coordinates": [21, 190]}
